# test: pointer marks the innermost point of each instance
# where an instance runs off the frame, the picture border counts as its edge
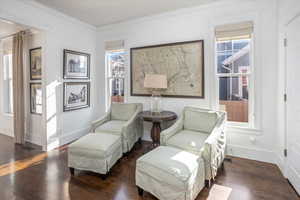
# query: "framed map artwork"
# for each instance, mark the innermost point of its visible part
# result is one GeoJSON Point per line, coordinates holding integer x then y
{"type": "Point", "coordinates": [182, 63]}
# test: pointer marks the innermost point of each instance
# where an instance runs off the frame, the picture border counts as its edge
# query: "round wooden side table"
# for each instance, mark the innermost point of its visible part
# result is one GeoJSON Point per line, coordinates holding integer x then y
{"type": "Point", "coordinates": [156, 119]}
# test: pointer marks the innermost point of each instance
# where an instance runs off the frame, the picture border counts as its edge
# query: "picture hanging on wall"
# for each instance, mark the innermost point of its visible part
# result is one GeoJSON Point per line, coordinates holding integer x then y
{"type": "Point", "coordinates": [181, 62]}
{"type": "Point", "coordinates": [36, 102]}
{"type": "Point", "coordinates": [76, 95]}
{"type": "Point", "coordinates": [76, 65]}
{"type": "Point", "coordinates": [35, 57]}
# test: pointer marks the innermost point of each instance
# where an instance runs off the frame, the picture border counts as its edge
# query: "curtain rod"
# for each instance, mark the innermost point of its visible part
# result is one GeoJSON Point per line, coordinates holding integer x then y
{"type": "Point", "coordinates": [7, 36]}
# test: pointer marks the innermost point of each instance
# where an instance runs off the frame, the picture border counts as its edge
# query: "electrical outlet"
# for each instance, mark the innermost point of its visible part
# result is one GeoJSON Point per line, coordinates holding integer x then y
{"type": "Point", "coordinates": [252, 139]}
{"type": "Point", "coordinates": [230, 150]}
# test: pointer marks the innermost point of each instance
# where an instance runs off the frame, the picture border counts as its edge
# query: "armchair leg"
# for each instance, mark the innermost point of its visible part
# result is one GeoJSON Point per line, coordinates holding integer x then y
{"type": "Point", "coordinates": [72, 171]}
{"type": "Point", "coordinates": [103, 176]}
{"type": "Point", "coordinates": [222, 166]}
{"type": "Point", "coordinates": [140, 191]}
{"type": "Point", "coordinates": [126, 154]}
{"type": "Point", "coordinates": [140, 141]}
{"type": "Point", "coordinates": [207, 184]}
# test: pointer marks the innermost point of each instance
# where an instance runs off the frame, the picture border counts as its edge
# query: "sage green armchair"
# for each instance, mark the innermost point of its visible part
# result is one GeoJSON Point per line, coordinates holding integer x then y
{"type": "Point", "coordinates": [122, 119]}
{"type": "Point", "coordinates": [199, 131]}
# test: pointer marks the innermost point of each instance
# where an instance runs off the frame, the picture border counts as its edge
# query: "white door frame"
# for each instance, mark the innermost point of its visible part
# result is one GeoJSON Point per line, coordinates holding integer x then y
{"type": "Point", "coordinates": [286, 93]}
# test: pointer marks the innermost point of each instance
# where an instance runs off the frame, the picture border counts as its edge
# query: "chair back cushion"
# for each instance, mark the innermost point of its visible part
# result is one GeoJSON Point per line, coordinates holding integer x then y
{"type": "Point", "coordinates": [122, 111]}
{"type": "Point", "coordinates": [197, 119]}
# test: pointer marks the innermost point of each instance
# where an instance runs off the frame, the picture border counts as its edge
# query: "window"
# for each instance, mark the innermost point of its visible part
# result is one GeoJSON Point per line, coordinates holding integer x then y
{"type": "Point", "coordinates": [7, 85]}
{"type": "Point", "coordinates": [115, 61]}
{"type": "Point", "coordinates": [234, 74]}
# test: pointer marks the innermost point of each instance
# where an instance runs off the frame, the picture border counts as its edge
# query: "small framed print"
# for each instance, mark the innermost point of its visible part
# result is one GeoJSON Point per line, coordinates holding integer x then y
{"type": "Point", "coordinates": [35, 57]}
{"type": "Point", "coordinates": [36, 102]}
{"type": "Point", "coordinates": [76, 65]}
{"type": "Point", "coordinates": [76, 95]}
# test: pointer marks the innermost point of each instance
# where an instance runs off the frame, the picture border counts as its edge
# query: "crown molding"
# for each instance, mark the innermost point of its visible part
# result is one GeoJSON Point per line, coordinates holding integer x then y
{"type": "Point", "coordinates": [183, 11]}
{"type": "Point", "coordinates": [58, 14]}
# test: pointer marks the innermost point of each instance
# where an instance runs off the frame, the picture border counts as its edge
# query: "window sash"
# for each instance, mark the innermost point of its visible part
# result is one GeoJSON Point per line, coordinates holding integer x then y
{"type": "Point", "coordinates": [109, 75]}
{"type": "Point", "coordinates": [7, 82]}
{"type": "Point", "coordinates": [219, 75]}
{"type": "Point", "coordinates": [248, 74]}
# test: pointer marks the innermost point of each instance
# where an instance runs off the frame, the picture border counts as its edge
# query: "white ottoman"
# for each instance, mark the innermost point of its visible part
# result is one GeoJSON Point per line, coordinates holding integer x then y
{"type": "Point", "coordinates": [170, 174]}
{"type": "Point", "coordinates": [96, 152]}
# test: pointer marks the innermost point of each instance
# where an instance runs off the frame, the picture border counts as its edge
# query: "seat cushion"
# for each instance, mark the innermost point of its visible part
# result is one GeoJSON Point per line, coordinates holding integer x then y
{"type": "Point", "coordinates": [113, 126]}
{"type": "Point", "coordinates": [200, 120]}
{"type": "Point", "coordinates": [188, 140]}
{"type": "Point", "coordinates": [122, 111]}
{"type": "Point", "coordinates": [95, 145]}
{"type": "Point", "coordinates": [169, 165]}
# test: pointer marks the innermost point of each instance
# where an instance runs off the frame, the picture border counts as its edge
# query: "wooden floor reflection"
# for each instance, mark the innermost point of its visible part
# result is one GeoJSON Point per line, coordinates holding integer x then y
{"type": "Point", "coordinates": [30, 174]}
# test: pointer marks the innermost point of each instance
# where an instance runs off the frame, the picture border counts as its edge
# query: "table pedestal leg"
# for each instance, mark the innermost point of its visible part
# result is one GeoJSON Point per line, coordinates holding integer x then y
{"type": "Point", "coordinates": [155, 134]}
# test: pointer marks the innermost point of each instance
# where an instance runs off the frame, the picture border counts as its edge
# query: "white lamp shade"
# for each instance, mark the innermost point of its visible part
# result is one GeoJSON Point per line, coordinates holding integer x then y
{"type": "Point", "coordinates": [155, 81]}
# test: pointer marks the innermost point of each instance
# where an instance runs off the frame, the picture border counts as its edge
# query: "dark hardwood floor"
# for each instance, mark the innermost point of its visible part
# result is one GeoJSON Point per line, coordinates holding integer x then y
{"type": "Point", "coordinates": [30, 174]}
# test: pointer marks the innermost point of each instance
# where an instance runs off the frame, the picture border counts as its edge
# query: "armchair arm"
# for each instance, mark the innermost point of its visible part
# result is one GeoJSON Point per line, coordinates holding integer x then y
{"type": "Point", "coordinates": [129, 126]}
{"type": "Point", "coordinates": [131, 120]}
{"type": "Point", "coordinates": [213, 151]}
{"type": "Point", "coordinates": [100, 121]}
{"type": "Point", "coordinates": [166, 134]}
{"type": "Point", "coordinates": [131, 129]}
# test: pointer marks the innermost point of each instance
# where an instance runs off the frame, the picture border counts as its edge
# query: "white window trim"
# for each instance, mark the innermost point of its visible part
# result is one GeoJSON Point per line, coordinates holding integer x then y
{"type": "Point", "coordinates": [250, 125]}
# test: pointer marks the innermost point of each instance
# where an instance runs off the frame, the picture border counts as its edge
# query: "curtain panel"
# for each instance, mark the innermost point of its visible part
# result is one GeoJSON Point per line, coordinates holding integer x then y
{"type": "Point", "coordinates": [18, 88]}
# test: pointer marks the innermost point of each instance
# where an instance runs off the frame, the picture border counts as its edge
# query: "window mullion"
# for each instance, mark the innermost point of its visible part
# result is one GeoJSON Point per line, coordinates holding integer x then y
{"type": "Point", "coordinates": [233, 74]}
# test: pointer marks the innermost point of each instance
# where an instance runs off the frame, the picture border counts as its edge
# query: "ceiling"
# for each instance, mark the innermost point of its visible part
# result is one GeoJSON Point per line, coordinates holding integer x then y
{"type": "Point", "coordinates": [102, 12]}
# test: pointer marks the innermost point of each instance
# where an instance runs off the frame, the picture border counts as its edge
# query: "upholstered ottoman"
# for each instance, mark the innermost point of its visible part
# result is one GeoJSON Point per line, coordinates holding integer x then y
{"type": "Point", "coordinates": [170, 174]}
{"type": "Point", "coordinates": [96, 152]}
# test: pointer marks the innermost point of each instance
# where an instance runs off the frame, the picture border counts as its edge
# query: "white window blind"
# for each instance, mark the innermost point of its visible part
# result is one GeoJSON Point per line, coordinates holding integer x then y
{"type": "Point", "coordinates": [114, 45]}
{"type": "Point", "coordinates": [242, 30]}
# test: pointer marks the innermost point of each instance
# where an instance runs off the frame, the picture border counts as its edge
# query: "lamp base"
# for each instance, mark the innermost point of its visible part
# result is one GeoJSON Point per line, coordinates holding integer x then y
{"type": "Point", "coordinates": [156, 103]}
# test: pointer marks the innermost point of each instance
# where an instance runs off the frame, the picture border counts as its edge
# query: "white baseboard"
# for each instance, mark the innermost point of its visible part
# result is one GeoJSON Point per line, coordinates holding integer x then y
{"type": "Point", "coordinates": [6, 132]}
{"type": "Point", "coordinates": [67, 138]}
{"type": "Point", "coordinates": [74, 135]}
{"type": "Point", "coordinates": [252, 154]}
{"type": "Point", "coordinates": [34, 139]}
{"type": "Point", "coordinates": [294, 178]}
{"type": "Point", "coordinates": [280, 163]}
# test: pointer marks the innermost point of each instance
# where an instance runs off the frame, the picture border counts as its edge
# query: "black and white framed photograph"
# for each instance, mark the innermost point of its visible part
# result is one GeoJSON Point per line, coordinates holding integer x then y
{"type": "Point", "coordinates": [35, 57]}
{"type": "Point", "coordinates": [36, 102]}
{"type": "Point", "coordinates": [76, 65]}
{"type": "Point", "coordinates": [76, 95]}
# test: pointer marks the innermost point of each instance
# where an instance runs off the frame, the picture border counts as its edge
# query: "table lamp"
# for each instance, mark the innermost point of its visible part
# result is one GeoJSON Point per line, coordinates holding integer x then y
{"type": "Point", "coordinates": [156, 83]}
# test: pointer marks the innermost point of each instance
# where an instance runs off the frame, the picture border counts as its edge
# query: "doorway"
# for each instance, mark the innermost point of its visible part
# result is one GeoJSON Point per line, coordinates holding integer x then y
{"type": "Point", "coordinates": [31, 58]}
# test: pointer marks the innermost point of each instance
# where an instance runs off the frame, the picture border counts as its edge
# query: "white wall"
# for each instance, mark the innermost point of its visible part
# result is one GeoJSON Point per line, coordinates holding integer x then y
{"type": "Point", "coordinates": [198, 23]}
{"type": "Point", "coordinates": [61, 32]}
{"type": "Point", "coordinates": [287, 10]}
{"type": "Point", "coordinates": [34, 126]}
